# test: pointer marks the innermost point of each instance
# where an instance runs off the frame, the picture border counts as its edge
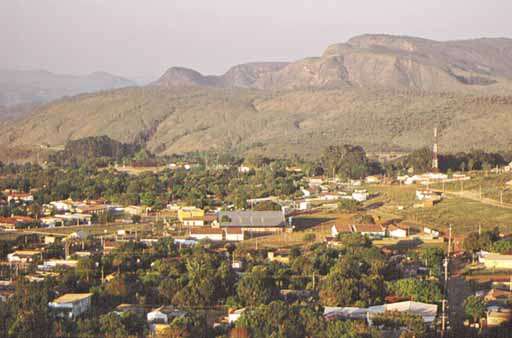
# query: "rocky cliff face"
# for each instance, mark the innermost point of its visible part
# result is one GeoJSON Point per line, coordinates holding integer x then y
{"type": "Point", "coordinates": [375, 61]}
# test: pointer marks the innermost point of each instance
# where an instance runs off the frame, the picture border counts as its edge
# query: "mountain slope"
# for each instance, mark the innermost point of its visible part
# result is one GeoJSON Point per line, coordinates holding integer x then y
{"type": "Point", "coordinates": [29, 87]}
{"type": "Point", "coordinates": [382, 92]}
{"type": "Point", "coordinates": [277, 124]}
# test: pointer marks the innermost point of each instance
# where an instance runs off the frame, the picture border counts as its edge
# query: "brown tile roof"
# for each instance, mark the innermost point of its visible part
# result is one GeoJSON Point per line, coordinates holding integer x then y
{"type": "Point", "coordinates": [368, 228]}
{"type": "Point", "coordinates": [206, 231]}
{"type": "Point", "coordinates": [343, 228]}
{"type": "Point", "coordinates": [234, 231]}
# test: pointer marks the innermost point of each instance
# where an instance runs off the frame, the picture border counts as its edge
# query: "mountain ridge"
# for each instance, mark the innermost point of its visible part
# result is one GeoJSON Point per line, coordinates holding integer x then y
{"type": "Point", "coordinates": [379, 91]}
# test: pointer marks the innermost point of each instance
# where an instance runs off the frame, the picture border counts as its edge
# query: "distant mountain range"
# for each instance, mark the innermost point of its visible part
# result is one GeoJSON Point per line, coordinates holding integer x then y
{"type": "Point", "coordinates": [39, 86]}
{"type": "Point", "coordinates": [383, 92]}
{"type": "Point", "coordinates": [374, 61]}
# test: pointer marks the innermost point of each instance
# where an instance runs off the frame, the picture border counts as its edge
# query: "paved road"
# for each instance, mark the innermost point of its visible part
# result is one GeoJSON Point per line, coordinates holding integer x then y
{"type": "Point", "coordinates": [458, 291]}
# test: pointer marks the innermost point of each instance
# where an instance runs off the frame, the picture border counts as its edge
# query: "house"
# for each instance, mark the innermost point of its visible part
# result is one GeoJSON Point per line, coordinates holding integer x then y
{"type": "Point", "coordinates": [395, 231]}
{"type": "Point", "coordinates": [15, 222]}
{"type": "Point", "coordinates": [508, 168]}
{"type": "Point", "coordinates": [305, 205]}
{"type": "Point", "coordinates": [71, 305]}
{"type": "Point", "coordinates": [360, 195]}
{"type": "Point", "coordinates": [6, 290]}
{"type": "Point", "coordinates": [427, 312]}
{"type": "Point", "coordinates": [244, 169]}
{"type": "Point", "coordinates": [495, 260]}
{"type": "Point", "coordinates": [55, 263]}
{"type": "Point", "coordinates": [254, 221]}
{"type": "Point", "coordinates": [434, 233]}
{"type": "Point", "coordinates": [498, 316]}
{"type": "Point", "coordinates": [74, 219]}
{"type": "Point", "coordinates": [372, 180]}
{"type": "Point", "coordinates": [370, 230]}
{"type": "Point", "coordinates": [427, 194]}
{"type": "Point", "coordinates": [305, 193]}
{"type": "Point", "coordinates": [316, 181]}
{"type": "Point", "coordinates": [213, 234]}
{"type": "Point", "coordinates": [66, 205]}
{"type": "Point", "coordinates": [51, 222]}
{"type": "Point", "coordinates": [347, 312]}
{"type": "Point", "coordinates": [135, 210]}
{"type": "Point", "coordinates": [340, 229]}
{"type": "Point", "coordinates": [24, 256]}
{"type": "Point", "coordinates": [278, 256]}
{"type": "Point", "coordinates": [235, 315]}
{"type": "Point", "coordinates": [191, 216]}
{"type": "Point", "coordinates": [15, 196]}
{"type": "Point", "coordinates": [164, 315]}
{"type": "Point", "coordinates": [92, 209]}
{"type": "Point", "coordinates": [129, 308]}
{"type": "Point", "coordinates": [234, 234]}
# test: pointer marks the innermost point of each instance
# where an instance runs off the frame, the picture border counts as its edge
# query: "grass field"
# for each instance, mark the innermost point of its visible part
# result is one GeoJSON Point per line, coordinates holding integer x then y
{"type": "Point", "coordinates": [464, 214]}
{"type": "Point", "coordinates": [492, 186]}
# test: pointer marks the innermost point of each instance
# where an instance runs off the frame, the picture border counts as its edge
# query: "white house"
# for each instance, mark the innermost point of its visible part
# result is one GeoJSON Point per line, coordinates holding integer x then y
{"type": "Point", "coordinates": [304, 205]}
{"type": "Point", "coordinates": [432, 232]}
{"type": "Point", "coordinates": [370, 230]}
{"type": "Point", "coordinates": [235, 315]}
{"type": "Point", "coordinates": [396, 231]}
{"type": "Point", "coordinates": [23, 256]}
{"type": "Point", "coordinates": [340, 228]}
{"type": "Point", "coordinates": [372, 180]}
{"type": "Point", "coordinates": [427, 312]}
{"type": "Point", "coordinates": [305, 192]}
{"type": "Point", "coordinates": [164, 315]}
{"type": "Point", "coordinates": [71, 305]}
{"type": "Point", "coordinates": [234, 234]}
{"type": "Point", "coordinates": [360, 195]}
{"type": "Point", "coordinates": [243, 169]}
{"type": "Point", "coordinates": [213, 234]}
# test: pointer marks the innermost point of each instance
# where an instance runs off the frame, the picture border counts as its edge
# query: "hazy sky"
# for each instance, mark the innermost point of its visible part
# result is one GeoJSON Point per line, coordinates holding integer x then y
{"type": "Point", "coordinates": [140, 39]}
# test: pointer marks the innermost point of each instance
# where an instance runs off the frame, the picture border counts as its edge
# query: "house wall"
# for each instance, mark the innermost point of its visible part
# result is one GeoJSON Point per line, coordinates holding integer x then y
{"type": "Point", "coordinates": [212, 237]}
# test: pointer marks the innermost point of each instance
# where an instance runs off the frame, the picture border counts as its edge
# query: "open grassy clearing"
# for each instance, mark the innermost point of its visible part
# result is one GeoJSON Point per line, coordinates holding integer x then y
{"type": "Point", "coordinates": [465, 214]}
{"type": "Point", "coordinates": [491, 186]}
{"type": "Point", "coordinates": [318, 224]}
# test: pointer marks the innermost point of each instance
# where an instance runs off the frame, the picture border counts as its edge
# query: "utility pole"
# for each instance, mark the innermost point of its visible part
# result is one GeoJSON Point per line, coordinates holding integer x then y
{"type": "Point", "coordinates": [449, 240]}
{"type": "Point", "coordinates": [443, 318]}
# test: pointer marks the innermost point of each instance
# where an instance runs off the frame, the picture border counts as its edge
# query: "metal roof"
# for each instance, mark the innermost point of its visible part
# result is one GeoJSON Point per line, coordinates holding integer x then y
{"type": "Point", "coordinates": [252, 219]}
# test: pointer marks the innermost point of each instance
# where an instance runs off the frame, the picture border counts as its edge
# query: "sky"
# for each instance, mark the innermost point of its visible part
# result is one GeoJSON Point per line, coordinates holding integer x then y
{"type": "Point", "coordinates": [140, 39]}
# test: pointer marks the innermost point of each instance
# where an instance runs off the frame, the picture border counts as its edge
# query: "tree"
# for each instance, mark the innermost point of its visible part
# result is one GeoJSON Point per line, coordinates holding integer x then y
{"type": "Point", "coordinates": [426, 291]}
{"type": "Point", "coordinates": [348, 206]}
{"type": "Point", "coordinates": [346, 161]}
{"type": "Point", "coordinates": [111, 325]}
{"type": "Point", "coordinates": [256, 287]}
{"type": "Point", "coordinates": [352, 282]}
{"type": "Point", "coordinates": [503, 246]}
{"type": "Point", "coordinates": [136, 219]}
{"type": "Point", "coordinates": [279, 319]}
{"type": "Point", "coordinates": [474, 307]}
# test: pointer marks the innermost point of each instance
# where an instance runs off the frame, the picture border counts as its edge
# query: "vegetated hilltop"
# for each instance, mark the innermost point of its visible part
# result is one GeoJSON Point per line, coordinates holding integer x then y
{"type": "Point", "coordinates": [29, 87]}
{"type": "Point", "coordinates": [381, 92]}
{"type": "Point", "coordinates": [273, 123]}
